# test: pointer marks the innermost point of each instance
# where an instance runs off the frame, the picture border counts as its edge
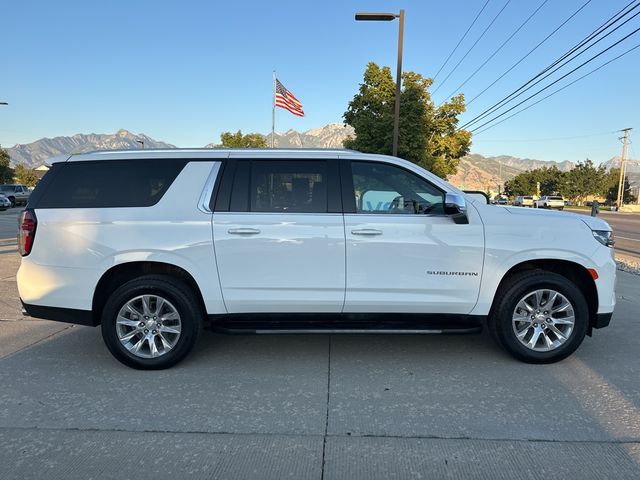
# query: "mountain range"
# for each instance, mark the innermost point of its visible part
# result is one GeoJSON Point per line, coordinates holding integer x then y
{"type": "Point", "coordinates": [475, 171]}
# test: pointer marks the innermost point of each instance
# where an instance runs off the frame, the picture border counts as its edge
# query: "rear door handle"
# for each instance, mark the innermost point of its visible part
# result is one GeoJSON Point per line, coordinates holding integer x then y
{"type": "Point", "coordinates": [366, 231]}
{"type": "Point", "coordinates": [244, 231]}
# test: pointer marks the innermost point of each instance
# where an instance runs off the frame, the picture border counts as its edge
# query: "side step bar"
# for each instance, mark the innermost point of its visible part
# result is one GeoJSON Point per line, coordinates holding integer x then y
{"type": "Point", "coordinates": [374, 324]}
{"type": "Point", "coordinates": [348, 331]}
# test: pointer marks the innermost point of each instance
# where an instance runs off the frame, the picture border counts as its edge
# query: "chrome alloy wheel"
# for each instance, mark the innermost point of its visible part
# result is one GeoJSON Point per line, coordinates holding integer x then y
{"type": "Point", "coordinates": [148, 326]}
{"type": "Point", "coordinates": [543, 320]}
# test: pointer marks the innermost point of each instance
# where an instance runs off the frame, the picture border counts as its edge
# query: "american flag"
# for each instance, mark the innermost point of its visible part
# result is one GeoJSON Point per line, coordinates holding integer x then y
{"type": "Point", "coordinates": [285, 99]}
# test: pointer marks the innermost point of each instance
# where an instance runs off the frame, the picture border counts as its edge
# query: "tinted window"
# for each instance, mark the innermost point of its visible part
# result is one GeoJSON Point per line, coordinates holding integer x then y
{"type": "Point", "coordinates": [288, 186]}
{"type": "Point", "coordinates": [114, 183]}
{"type": "Point", "coordinates": [381, 188]}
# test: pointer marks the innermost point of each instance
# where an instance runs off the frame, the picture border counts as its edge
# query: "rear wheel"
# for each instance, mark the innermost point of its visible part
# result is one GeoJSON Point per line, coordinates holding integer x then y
{"type": "Point", "coordinates": [540, 317]}
{"type": "Point", "coordinates": [151, 322]}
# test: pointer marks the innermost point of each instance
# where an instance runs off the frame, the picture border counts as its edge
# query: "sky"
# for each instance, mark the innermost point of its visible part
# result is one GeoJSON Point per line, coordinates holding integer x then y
{"type": "Point", "coordinates": [184, 71]}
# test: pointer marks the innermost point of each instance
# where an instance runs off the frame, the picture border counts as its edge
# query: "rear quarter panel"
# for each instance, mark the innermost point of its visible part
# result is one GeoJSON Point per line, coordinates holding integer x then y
{"type": "Point", "coordinates": [73, 248]}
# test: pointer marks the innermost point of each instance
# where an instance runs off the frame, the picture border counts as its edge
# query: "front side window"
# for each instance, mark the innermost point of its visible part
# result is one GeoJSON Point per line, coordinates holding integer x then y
{"type": "Point", "coordinates": [382, 189]}
{"type": "Point", "coordinates": [289, 186]}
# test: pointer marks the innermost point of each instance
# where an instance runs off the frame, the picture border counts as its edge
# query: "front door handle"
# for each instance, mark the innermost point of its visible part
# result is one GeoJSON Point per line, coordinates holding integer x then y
{"type": "Point", "coordinates": [244, 231]}
{"type": "Point", "coordinates": [366, 231]}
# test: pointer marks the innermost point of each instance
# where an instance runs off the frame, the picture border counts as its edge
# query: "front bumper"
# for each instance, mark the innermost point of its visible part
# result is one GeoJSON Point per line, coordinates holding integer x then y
{"type": "Point", "coordinates": [602, 320]}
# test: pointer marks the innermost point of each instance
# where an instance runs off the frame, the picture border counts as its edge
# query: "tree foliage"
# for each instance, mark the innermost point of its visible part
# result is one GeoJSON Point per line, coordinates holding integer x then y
{"type": "Point", "coordinates": [238, 140]}
{"type": "Point", "coordinates": [429, 135]}
{"type": "Point", "coordinates": [26, 176]}
{"type": "Point", "coordinates": [6, 172]}
{"type": "Point", "coordinates": [551, 181]}
{"type": "Point", "coordinates": [583, 181]}
{"type": "Point", "coordinates": [611, 187]}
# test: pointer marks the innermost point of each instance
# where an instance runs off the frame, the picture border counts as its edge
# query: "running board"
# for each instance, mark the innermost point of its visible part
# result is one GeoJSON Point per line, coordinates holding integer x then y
{"type": "Point", "coordinates": [374, 324]}
{"type": "Point", "coordinates": [349, 331]}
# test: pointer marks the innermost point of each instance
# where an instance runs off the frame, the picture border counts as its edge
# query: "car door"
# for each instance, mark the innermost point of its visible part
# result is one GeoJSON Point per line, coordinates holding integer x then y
{"type": "Point", "coordinates": [404, 254]}
{"type": "Point", "coordinates": [279, 236]}
{"type": "Point", "coordinates": [21, 193]}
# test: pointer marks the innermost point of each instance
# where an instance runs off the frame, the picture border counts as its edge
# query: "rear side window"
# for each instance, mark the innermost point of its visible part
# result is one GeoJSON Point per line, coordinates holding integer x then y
{"type": "Point", "coordinates": [113, 183]}
{"type": "Point", "coordinates": [289, 186]}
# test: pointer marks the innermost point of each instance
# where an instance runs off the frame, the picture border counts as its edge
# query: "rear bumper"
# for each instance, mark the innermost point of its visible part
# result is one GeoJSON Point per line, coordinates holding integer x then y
{"type": "Point", "coordinates": [66, 315]}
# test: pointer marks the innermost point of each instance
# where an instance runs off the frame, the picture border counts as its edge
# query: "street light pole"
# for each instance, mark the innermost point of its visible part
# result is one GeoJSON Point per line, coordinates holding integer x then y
{"type": "Point", "coordinates": [386, 17]}
{"type": "Point", "coordinates": [396, 119]}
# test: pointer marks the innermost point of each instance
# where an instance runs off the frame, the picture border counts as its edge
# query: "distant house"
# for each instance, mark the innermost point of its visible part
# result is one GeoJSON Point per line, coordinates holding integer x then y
{"type": "Point", "coordinates": [41, 169]}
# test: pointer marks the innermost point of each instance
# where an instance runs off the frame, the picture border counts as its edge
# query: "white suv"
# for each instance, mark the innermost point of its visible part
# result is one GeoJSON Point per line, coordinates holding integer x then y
{"type": "Point", "coordinates": [550, 201]}
{"type": "Point", "coordinates": [150, 244]}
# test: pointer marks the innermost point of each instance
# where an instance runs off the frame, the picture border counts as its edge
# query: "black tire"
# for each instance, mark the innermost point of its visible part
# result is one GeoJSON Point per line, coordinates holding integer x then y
{"type": "Point", "coordinates": [13, 201]}
{"type": "Point", "coordinates": [173, 290]}
{"type": "Point", "coordinates": [500, 319]}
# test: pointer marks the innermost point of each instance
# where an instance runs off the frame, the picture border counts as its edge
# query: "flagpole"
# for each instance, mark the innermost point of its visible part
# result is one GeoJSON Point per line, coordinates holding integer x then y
{"type": "Point", "coordinates": [273, 112]}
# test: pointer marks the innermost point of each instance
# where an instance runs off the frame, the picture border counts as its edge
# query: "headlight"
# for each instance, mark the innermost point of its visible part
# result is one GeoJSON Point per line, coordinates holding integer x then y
{"type": "Point", "coordinates": [605, 237]}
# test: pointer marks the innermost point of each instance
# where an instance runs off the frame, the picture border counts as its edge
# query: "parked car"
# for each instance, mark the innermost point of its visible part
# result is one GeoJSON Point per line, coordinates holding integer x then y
{"type": "Point", "coordinates": [17, 194]}
{"type": "Point", "coordinates": [550, 201]}
{"type": "Point", "coordinates": [300, 241]}
{"type": "Point", "coordinates": [4, 202]}
{"type": "Point", "coordinates": [500, 201]}
{"type": "Point", "coordinates": [523, 201]}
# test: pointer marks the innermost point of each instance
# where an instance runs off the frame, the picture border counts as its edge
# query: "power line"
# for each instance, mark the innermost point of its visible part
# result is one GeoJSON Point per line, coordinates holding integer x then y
{"type": "Point", "coordinates": [460, 41]}
{"type": "Point", "coordinates": [559, 89]}
{"type": "Point", "coordinates": [548, 139]}
{"type": "Point", "coordinates": [559, 79]}
{"type": "Point", "coordinates": [457, 89]}
{"type": "Point", "coordinates": [530, 52]}
{"type": "Point", "coordinates": [559, 63]}
{"type": "Point", "coordinates": [472, 46]}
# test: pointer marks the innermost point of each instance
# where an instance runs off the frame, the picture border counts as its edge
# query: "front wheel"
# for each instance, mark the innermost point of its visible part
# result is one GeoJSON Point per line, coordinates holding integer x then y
{"type": "Point", "coordinates": [151, 322]}
{"type": "Point", "coordinates": [540, 317]}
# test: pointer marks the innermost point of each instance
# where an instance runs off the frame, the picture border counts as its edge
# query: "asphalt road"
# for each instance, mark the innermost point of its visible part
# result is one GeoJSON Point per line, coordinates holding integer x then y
{"type": "Point", "coordinates": [316, 407]}
{"type": "Point", "coordinates": [626, 228]}
{"type": "Point", "coordinates": [9, 223]}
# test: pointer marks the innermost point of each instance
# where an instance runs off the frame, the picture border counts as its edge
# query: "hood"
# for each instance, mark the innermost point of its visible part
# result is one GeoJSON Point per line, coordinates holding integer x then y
{"type": "Point", "coordinates": [594, 223]}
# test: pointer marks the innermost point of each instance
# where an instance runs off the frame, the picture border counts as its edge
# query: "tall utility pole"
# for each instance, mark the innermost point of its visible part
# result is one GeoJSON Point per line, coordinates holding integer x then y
{"type": "Point", "coordinates": [625, 143]}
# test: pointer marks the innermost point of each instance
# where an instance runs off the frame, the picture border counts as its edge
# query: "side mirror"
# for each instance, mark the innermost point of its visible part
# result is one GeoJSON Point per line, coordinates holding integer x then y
{"type": "Point", "coordinates": [456, 207]}
{"type": "Point", "coordinates": [477, 194]}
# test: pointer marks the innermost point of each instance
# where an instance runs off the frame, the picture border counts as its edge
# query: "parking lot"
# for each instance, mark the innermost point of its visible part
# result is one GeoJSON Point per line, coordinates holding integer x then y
{"type": "Point", "coordinates": [314, 406]}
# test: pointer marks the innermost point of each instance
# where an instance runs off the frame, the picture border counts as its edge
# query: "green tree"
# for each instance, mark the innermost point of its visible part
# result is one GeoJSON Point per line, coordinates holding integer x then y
{"type": "Point", "coordinates": [584, 180]}
{"type": "Point", "coordinates": [611, 187]}
{"type": "Point", "coordinates": [6, 172]}
{"type": "Point", "coordinates": [26, 176]}
{"type": "Point", "coordinates": [551, 180]}
{"type": "Point", "coordinates": [238, 140]}
{"type": "Point", "coordinates": [429, 135]}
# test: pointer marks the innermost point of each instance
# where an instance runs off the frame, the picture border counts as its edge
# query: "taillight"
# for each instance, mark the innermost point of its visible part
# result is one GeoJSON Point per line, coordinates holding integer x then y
{"type": "Point", "coordinates": [26, 231]}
